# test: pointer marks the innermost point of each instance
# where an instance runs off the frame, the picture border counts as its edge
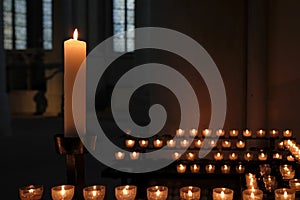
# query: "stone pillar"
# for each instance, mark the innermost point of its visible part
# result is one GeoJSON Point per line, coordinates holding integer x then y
{"type": "Point", "coordinates": [5, 121]}
{"type": "Point", "coordinates": [257, 64]}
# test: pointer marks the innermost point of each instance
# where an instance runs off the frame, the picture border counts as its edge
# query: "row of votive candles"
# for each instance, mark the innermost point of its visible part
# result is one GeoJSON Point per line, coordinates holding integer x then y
{"type": "Point", "coordinates": [198, 143]}
{"type": "Point", "coordinates": [270, 183]}
{"type": "Point", "coordinates": [126, 192]}
{"type": "Point", "coordinates": [190, 156]}
{"type": "Point", "coordinates": [210, 168]}
{"type": "Point", "coordinates": [233, 133]}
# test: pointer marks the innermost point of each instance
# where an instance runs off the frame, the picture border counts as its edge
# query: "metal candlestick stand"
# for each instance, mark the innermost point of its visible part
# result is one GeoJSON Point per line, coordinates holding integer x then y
{"type": "Point", "coordinates": [74, 151]}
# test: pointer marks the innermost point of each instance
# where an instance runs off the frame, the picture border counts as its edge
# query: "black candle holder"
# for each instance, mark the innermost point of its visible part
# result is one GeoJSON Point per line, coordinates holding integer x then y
{"type": "Point", "coordinates": [74, 151]}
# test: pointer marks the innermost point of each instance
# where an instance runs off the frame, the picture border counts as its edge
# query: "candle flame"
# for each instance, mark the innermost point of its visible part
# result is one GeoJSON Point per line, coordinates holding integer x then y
{"type": "Point", "coordinates": [190, 193]}
{"type": "Point", "coordinates": [285, 195]}
{"type": "Point", "coordinates": [75, 34]}
{"type": "Point", "coordinates": [63, 191]}
{"type": "Point", "coordinates": [252, 195]}
{"type": "Point", "coordinates": [31, 191]}
{"type": "Point", "coordinates": [94, 193]}
{"type": "Point", "coordinates": [157, 193]}
{"type": "Point", "coordinates": [125, 191]}
{"type": "Point", "coordinates": [222, 195]}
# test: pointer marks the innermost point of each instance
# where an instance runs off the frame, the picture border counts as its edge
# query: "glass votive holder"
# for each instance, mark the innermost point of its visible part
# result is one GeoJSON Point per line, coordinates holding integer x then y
{"type": "Point", "coordinates": [125, 192]}
{"type": "Point", "coordinates": [198, 143]}
{"type": "Point", "coordinates": [261, 133]}
{"type": "Point", "coordinates": [295, 184]}
{"type": "Point", "coordinates": [119, 155]}
{"type": "Point", "coordinates": [222, 194]}
{"type": "Point", "coordinates": [180, 132]}
{"type": "Point", "coordinates": [285, 168]}
{"type": "Point", "coordinates": [158, 143]}
{"type": "Point", "coordinates": [225, 169]}
{"type": "Point", "coordinates": [184, 143]}
{"type": "Point", "coordinates": [181, 168]}
{"type": "Point", "coordinates": [240, 169]}
{"type": "Point", "coordinates": [233, 156]}
{"type": "Point", "coordinates": [195, 168]}
{"type": "Point", "coordinates": [206, 132]}
{"type": "Point", "coordinates": [248, 156]}
{"type": "Point", "coordinates": [240, 144]}
{"type": "Point", "coordinates": [265, 169]}
{"type": "Point", "coordinates": [176, 155]}
{"type": "Point", "coordinates": [65, 192]}
{"type": "Point", "coordinates": [143, 143]}
{"type": "Point", "coordinates": [129, 143]}
{"type": "Point", "coordinates": [171, 143]}
{"type": "Point", "coordinates": [247, 133]}
{"type": "Point", "coordinates": [190, 156]}
{"type": "Point", "coordinates": [285, 193]}
{"type": "Point", "coordinates": [218, 156]}
{"type": "Point", "coordinates": [157, 193]}
{"type": "Point", "coordinates": [287, 133]}
{"type": "Point", "coordinates": [95, 192]}
{"type": "Point", "coordinates": [262, 156]}
{"type": "Point", "coordinates": [288, 175]}
{"type": "Point", "coordinates": [190, 193]}
{"type": "Point", "coordinates": [226, 143]}
{"type": "Point", "coordinates": [210, 169]}
{"type": "Point", "coordinates": [269, 182]}
{"type": "Point", "coordinates": [134, 155]}
{"type": "Point", "coordinates": [277, 156]}
{"type": "Point", "coordinates": [233, 133]}
{"type": "Point", "coordinates": [273, 133]}
{"type": "Point", "coordinates": [253, 194]}
{"type": "Point", "coordinates": [193, 132]}
{"type": "Point", "coordinates": [31, 192]}
{"type": "Point", "coordinates": [220, 133]}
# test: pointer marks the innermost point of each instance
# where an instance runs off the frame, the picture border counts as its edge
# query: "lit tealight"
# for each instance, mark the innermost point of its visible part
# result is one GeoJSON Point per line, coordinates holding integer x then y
{"type": "Point", "coordinates": [176, 155]}
{"type": "Point", "coordinates": [273, 133]}
{"type": "Point", "coordinates": [157, 143]}
{"type": "Point", "coordinates": [206, 132]}
{"type": "Point", "coordinates": [233, 133]}
{"type": "Point", "coordinates": [180, 132]}
{"type": "Point", "coordinates": [193, 132]}
{"type": "Point", "coordinates": [220, 133]}
{"type": "Point", "coordinates": [198, 143]}
{"type": "Point", "coordinates": [181, 168]}
{"type": "Point", "coordinates": [218, 156]}
{"type": "Point", "coordinates": [129, 143]}
{"type": "Point", "coordinates": [240, 144]}
{"type": "Point", "coordinates": [184, 143]}
{"type": "Point", "coordinates": [248, 156]}
{"type": "Point", "coordinates": [171, 143]}
{"type": "Point", "coordinates": [261, 133]}
{"type": "Point", "coordinates": [143, 143]}
{"type": "Point", "coordinates": [195, 168]}
{"type": "Point", "coordinates": [287, 133]}
{"type": "Point", "coordinates": [233, 156]}
{"type": "Point", "coordinates": [226, 144]}
{"type": "Point", "coordinates": [119, 155]}
{"type": "Point", "coordinates": [210, 168]}
{"type": "Point", "coordinates": [247, 133]}
{"type": "Point", "coordinates": [134, 155]}
{"type": "Point", "coordinates": [190, 156]}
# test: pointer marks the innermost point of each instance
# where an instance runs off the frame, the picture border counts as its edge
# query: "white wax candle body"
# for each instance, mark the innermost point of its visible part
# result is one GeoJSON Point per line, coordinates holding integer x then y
{"type": "Point", "coordinates": [74, 56]}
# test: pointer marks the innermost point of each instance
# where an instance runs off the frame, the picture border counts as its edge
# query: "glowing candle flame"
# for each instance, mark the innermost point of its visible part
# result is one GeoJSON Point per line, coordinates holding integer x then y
{"type": "Point", "coordinates": [157, 193]}
{"type": "Point", "coordinates": [75, 34]}
{"type": "Point", "coordinates": [190, 193]}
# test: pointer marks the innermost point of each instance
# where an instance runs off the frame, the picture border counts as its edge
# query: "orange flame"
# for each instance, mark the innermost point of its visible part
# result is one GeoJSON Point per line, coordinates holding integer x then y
{"type": "Point", "coordinates": [75, 34]}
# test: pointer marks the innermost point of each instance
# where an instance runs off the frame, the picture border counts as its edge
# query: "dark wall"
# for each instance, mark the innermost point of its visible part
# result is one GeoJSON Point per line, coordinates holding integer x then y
{"type": "Point", "coordinates": [283, 68]}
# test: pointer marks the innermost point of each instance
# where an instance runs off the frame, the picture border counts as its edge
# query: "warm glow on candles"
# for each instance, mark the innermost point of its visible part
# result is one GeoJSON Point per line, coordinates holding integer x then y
{"type": "Point", "coordinates": [198, 143]}
{"type": "Point", "coordinates": [222, 195]}
{"type": "Point", "coordinates": [220, 133]}
{"type": "Point", "coordinates": [134, 155]}
{"type": "Point", "coordinates": [261, 133]}
{"type": "Point", "coordinates": [247, 133]}
{"type": "Point", "coordinates": [233, 156]}
{"type": "Point", "coordinates": [184, 143]}
{"type": "Point", "coordinates": [176, 155]}
{"type": "Point", "coordinates": [193, 132]}
{"type": "Point", "coordinates": [171, 143]}
{"type": "Point", "coordinates": [206, 132]}
{"type": "Point", "coordinates": [181, 168]}
{"type": "Point", "coordinates": [158, 143]}
{"type": "Point", "coordinates": [190, 156]}
{"type": "Point", "coordinates": [129, 143]}
{"type": "Point", "coordinates": [195, 168]}
{"type": "Point", "coordinates": [240, 144]}
{"type": "Point", "coordinates": [119, 155]}
{"type": "Point", "coordinates": [233, 133]}
{"type": "Point", "coordinates": [180, 132]}
{"type": "Point", "coordinates": [74, 57]}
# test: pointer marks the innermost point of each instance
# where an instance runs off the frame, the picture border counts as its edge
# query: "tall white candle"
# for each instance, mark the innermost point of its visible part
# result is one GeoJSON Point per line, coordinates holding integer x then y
{"type": "Point", "coordinates": [74, 55]}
